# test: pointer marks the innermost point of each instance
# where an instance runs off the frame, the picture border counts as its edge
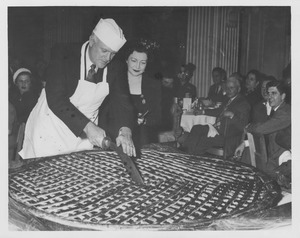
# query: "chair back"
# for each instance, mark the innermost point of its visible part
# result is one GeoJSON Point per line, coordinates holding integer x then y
{"type": "Point", "coordinates": [177, 113]}
{"type": "Point", "coordinates": [220, 151]}
{"type": "Point", "coordinates": [257, 154]}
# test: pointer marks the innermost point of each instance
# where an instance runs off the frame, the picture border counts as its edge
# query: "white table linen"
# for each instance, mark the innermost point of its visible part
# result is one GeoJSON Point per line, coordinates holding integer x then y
{"type": "Point", "coordinates": [188, 120]}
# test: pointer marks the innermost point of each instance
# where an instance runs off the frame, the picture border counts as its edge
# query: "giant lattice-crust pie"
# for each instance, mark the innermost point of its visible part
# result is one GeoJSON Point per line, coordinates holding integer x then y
{"type": "Point", "coordinates": [92, 190]}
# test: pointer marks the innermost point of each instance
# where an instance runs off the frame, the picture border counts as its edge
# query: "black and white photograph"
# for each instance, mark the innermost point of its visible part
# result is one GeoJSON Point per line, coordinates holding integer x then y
{"type": "Point", "coordinates": [162, 117]}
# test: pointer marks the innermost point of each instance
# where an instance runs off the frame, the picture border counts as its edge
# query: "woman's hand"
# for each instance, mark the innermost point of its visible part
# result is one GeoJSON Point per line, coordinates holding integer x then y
{"type": "Point", "coordinates": [141, 120]}
{"type": "Point", "coordinates": [125, 140]}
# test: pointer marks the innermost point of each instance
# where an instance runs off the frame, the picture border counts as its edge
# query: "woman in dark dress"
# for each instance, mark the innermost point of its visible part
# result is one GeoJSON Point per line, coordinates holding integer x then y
{"type": "Point", "coordinates": [145, 93]}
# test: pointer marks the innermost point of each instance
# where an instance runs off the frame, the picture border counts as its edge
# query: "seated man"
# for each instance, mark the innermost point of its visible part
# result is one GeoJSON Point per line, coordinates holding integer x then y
{"type": "Point", "coordinates": [279, 119]}
{"type": "Point", "coordinates": [216, 92]}
{"type": "Point", "coordinates": [235, 112]}
{"type": "Point", "coordinates": [262, 109]}
{"type": "Point", "coordinates": [183, 87]}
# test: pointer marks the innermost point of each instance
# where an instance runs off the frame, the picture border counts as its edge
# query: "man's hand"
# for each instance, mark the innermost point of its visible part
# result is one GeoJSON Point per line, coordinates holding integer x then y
{"type": "Point", "coordinates": [125, 140]}
{"type": "Point", "coordinates": [239, 151]}
{"type": "Point", "coordinates": [94, 133]}
{"type": "Point", "coordinates": [228, 114]}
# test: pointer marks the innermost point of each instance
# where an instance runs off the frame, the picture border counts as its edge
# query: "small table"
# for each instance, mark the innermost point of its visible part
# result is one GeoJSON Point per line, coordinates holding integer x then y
{"type": "Point", "coordinates": [188, 120]}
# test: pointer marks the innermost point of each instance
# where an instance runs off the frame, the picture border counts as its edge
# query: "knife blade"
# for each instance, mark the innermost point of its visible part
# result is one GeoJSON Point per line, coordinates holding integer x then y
{"type": "Point", "coordinates": [127, 161]}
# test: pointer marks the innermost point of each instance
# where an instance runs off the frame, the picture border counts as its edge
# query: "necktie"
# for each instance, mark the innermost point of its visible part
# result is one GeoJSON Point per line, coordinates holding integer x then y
{"type": "Point", "coordinates": [91, 74]}
{"type": "Point", "coordinates": [218, 89]}
{"type": "Point", "coordinates": [218, 120]}
{"type": "Point", "coordinates": [271, 113]}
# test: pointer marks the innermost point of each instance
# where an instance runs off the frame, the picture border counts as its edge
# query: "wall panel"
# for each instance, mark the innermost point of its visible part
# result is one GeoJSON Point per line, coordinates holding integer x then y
{"type": "Point", "coordinates": [212, 41]}
{"type": "Point", "coordinates": [62, 25]}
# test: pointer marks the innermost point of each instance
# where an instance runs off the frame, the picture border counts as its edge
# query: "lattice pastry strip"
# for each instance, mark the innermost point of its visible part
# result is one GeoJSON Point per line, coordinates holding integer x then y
{"type": "Point", "coordinates": [92, 188]}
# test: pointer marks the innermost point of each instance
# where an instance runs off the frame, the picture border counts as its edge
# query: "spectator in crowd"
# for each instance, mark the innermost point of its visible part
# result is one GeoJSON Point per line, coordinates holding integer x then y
{"type": "Point", "coordinates": [279, 119]}
{"type": "Point", "coordinates": [235, 111]}
{"type": "Point", "coordinates": [259, 113]}
{"type": "Point", "coordinates": [262, 109]}
{"type": "Point", "coordinates": [183, 87]}
{"type": "Point", "coordinates": [216, 91]}
{"type": "Point", "coordinates": [23, 96]}
{"type": "Point", "coordinates": [65, 119]}
{"type": "Point", "coordinates": [14, 64]}
{"type": "Point", "coordinates": [145, 92]}
{"type": "Point", "coordinates": [252, 91]}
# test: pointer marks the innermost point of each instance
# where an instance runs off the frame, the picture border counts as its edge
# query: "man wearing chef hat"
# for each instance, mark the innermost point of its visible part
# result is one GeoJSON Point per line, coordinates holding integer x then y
{"type": "Point", "coordinates": [65, 118]}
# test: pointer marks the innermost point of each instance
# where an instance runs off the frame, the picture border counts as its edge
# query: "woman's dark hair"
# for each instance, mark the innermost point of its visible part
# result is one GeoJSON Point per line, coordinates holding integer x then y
{"type": "Point", "coordinates": [258, 75]}
{"type": "Point", "coordinates": [142, 46]}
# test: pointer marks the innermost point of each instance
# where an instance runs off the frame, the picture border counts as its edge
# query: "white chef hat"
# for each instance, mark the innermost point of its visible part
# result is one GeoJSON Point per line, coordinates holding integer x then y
{"type": "Point", "coordinates": [20, 70]}
{"type": "Point", "coordinates": [110, 33]}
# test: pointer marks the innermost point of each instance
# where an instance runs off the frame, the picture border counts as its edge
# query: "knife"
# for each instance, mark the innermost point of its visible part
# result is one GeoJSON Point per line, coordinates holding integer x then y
{"type": "Point", "coordinates": [127, 161]}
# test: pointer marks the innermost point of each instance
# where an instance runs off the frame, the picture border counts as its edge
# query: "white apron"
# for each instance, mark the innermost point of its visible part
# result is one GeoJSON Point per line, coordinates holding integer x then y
{"type": "Point", "coordinates": [46, 134]}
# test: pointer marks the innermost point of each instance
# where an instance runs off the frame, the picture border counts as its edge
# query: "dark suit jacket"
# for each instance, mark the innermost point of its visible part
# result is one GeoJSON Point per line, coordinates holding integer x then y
{"type": "Point", "coordinates": [62, 79]}
{"type": "Point", "coordinates": [241, 110]}
{"type": "Point", "coordinates": [284, 138]}
{"type": "Point", "coordinates": [214, 96]}
{"type": "Point", "coordinates": [278, 121]}
{"type": "Point", "coordinates": [253, 97]}
{"type": "Point", "coordinates": [181, 90]}
{"type": "Point", "coordinates": [235, 126]}
{"type": "Point", "coordinates": [259, 113]}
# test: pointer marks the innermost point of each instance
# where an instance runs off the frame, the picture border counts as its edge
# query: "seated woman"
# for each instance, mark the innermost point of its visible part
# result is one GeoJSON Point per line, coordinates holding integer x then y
{"type": "Point", "coordinates": [145, 93]}
{"type": "Point", "coordinates": [251, 90]}
{"type": "Point", "coordinates": [216, 91]}
{"type": "Point", "coordinates": [183, 87]}
{"type": "Point", "coordinates": [23, 95]}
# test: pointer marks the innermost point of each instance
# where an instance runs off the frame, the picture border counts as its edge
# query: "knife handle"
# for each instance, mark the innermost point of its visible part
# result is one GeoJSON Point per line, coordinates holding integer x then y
{"type": "Point", "coordinates": [106, 143]}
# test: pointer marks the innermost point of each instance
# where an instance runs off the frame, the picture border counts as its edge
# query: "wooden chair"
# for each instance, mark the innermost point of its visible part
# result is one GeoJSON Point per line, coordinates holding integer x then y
{"type": "Point", "coordinates": [257, 154]}
{"type": "Point", "coordinates": [177, 113]}
{"type": "Point", "coordinates": [172, 136]}
{"type": "Point", "coordinates": [220, 150]}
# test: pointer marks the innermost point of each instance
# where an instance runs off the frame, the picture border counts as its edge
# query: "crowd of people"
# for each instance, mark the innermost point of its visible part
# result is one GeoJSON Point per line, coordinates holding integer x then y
{"type": "Point", "coordinates": [89, 94]}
